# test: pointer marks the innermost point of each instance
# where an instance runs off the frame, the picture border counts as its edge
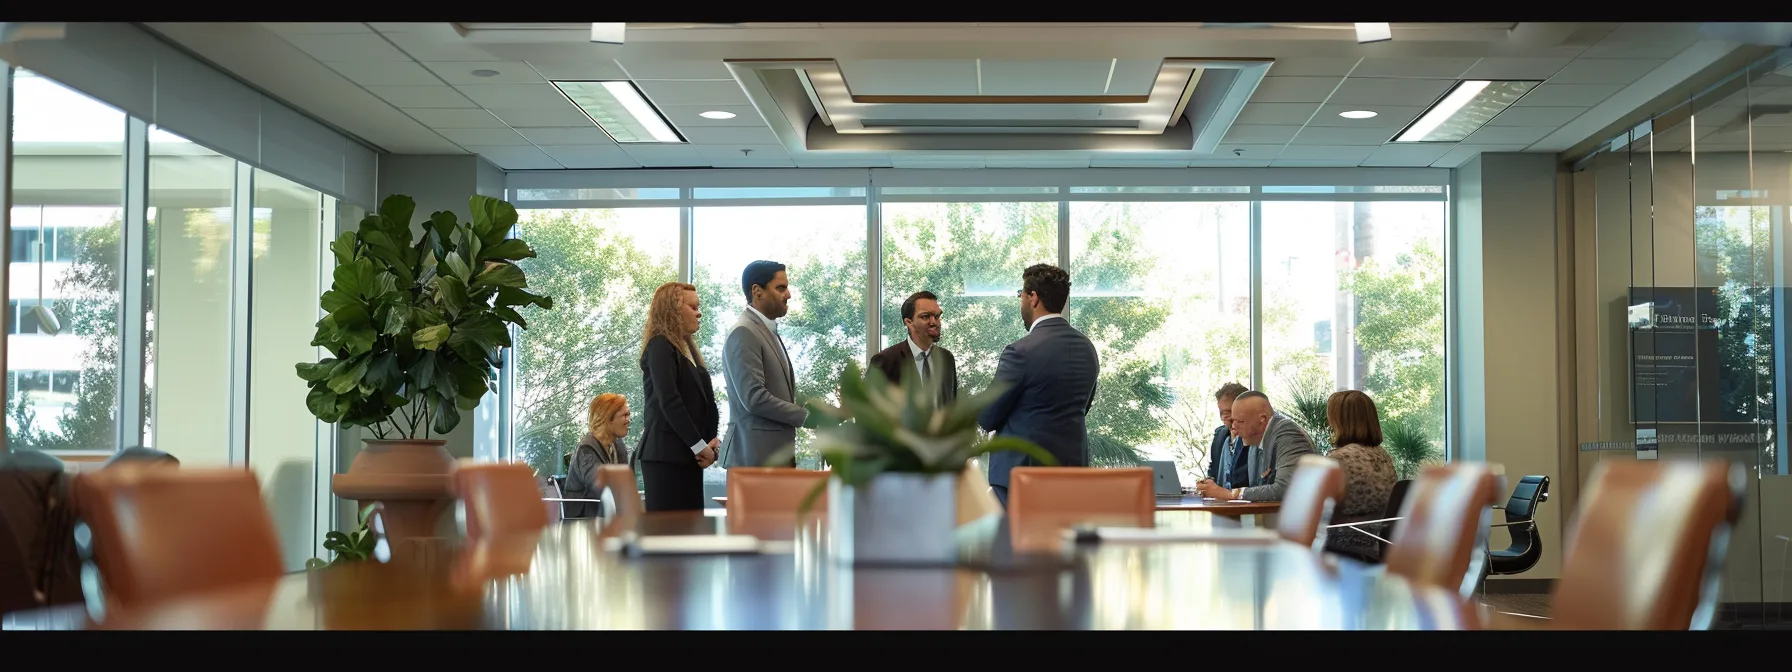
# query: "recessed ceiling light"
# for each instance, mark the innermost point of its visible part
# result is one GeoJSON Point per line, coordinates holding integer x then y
{"type": "Point", "coordinates": [620, 109]}
{"type": "Point", "coordinates": [716, 114]}
{"type": "Point", "coordinates": [485, 73]}
{"type": "Point", "coordinates": [1357, 114]}
{"type": "Point", "coordinates": [1464, 110]}
{"type": "Point", "coordinates": [1373, 32]}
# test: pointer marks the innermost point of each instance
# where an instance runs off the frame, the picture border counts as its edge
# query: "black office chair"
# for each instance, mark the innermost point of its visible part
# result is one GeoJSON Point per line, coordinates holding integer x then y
{"type": "Point", "coordinates": [1527, 544]}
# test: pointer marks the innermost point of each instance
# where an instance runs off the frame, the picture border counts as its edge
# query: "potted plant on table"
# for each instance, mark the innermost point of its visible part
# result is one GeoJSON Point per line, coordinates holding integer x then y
{"type": "Point", "coordinates": [895, 459]}
{"type": "Point", "coordinates": [416, 326]}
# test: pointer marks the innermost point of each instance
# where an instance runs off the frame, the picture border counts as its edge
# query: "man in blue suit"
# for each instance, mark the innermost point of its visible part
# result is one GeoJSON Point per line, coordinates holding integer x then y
{"type": "Point", "coordinates": [1230, 464]}
{"type": "Point", "coordinates": [1050, 374]}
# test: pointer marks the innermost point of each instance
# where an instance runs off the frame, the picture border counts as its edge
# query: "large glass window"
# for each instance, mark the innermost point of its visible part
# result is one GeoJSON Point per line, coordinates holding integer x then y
{"type": "Point", "coordinates": [1354, 299]}
{"type": "Point", "coordinates": [66, 220]}
{"type": "Point", "coordinates": [187, 332]}
{"type": "Point", "coordinates": [1163, 289]}
{"type": "Point", "coordinates": [823, 247]}
{"type": "Point", "coordinates": [601, 267]}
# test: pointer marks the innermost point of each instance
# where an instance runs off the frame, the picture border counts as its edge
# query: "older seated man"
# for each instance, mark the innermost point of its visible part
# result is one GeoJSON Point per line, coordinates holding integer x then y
{"type": "Point", "coordinates": [1276, 444]}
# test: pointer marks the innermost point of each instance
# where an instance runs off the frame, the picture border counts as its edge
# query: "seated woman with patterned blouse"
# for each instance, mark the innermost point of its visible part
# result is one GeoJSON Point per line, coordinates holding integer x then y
{"type": "Point", "coordinates": [1369, 474]}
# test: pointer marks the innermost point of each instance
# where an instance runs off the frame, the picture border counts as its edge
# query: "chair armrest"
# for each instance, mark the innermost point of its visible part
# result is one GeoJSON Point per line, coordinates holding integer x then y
{"type": "Point", "coordinates": [1529, 524]}
{"type": "Point", "coordinates": [1500, 620]}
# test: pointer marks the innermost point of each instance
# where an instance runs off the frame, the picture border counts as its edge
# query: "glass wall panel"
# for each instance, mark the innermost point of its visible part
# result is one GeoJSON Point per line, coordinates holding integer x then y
{"type": "Point", "coordinates": [601, 267]}
{"type": "Point", "coordinates": [1353, 298]}
{"type": "Point", "coordinates": [1164, 290]}
{"type": "Point", "coordinates": [67, 218]}
{"type": "Point", "coordinates": [187, 329]}
{"type": "Point", "coordinates": [283, 436]}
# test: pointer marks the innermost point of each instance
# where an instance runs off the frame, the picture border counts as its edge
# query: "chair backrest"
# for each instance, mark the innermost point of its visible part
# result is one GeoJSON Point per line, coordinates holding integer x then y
{"type": "Point", "coordinates": [763, 501]}
{"type": "Point", "coordinates": [1648, 548]}
{"type": "Point", "coordinates": [17, 589]}
{"type": "Point", "coordinates": [1442, 524]}
{"type": "Point", "coordinates": [1316, 487]}
{"type": "Point", "coordinates": [498, 498]}
{"type": "Point", "coordinates": [975, 500]}
{"type": "Point", "coordinates": [160, 533]}
{"type": "Point", "coordinates": [1531, 491]}
{"type": "Point", "coordinates": [1070, 495]}
{"type": "Point", "coordinates": [619, 480]}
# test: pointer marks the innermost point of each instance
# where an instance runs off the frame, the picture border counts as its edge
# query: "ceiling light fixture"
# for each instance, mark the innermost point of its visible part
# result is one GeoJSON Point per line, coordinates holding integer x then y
{"type": "Point", "coordinates": [716, 114]}
{"type": "Point", "coordinates": [608, 33]}
{"type": "Point", "coordinates": [1357, 114]}
{"type": "Point", "coordinates": [1464, 110]}
{"type": "Point", "coordinates": [620, 109]}
{"type": "Point", "coordinates": [1374, 32]}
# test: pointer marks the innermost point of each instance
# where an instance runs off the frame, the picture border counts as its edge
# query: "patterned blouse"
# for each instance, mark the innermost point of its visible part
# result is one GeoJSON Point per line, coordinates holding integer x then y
{"type": "Point", "coordinates": [1369, 478]}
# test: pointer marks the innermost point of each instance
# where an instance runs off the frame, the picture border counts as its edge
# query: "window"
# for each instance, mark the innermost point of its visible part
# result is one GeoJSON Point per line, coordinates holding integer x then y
{"type": "Point", "coordinates": [1163, 289]}
{"type": "Point", "coordinates": [187, 334]}
{"type": "Point", "coordinates": [823, 247]}
{"type": "Point", "coordinates": [1354, 299]}
{"type": "Point", "coordinates": [68, 193]}
{"type": "Point", "coordinates": [601, 267]}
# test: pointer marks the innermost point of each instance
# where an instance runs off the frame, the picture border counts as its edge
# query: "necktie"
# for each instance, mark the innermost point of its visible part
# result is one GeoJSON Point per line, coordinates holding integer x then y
{"type": "Point", "coordinates": [926, 366]}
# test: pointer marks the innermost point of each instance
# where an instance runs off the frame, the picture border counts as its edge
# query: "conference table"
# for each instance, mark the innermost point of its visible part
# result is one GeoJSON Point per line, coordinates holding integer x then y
{"type": "Point", "coordinates": [571, 576]}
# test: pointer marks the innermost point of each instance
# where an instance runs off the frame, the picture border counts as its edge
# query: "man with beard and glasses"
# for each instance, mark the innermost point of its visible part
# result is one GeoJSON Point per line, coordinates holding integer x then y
{"type": "Point", "coordinates": [921, 354]}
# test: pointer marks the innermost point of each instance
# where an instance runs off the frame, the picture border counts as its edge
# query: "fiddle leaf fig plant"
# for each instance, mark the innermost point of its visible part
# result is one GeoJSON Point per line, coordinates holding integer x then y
{"type": "Point", "coordinates": [417, 323]}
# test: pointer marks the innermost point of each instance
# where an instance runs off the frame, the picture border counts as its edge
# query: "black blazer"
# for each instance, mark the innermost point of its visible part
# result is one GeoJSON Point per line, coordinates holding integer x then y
{"type": "Point", "coordinates": [898, 360]}
{"type": "Point", "coordinates": [1053, 372]}
{"type": "Point", "coordinates": [681, 405]}
{"type": "Point", "coordinates": [1240, 475]}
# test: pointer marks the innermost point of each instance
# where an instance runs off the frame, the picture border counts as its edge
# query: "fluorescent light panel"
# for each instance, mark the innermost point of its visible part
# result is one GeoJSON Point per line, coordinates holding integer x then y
{"type": "Point", "coordinates": [620, 109]}
{"type": "Point", "coordinates": [1374, 32]}
{"type": "Point", "coordinates": [608, 33]}
{"type": "Point", "coordinates": [1464, 110]}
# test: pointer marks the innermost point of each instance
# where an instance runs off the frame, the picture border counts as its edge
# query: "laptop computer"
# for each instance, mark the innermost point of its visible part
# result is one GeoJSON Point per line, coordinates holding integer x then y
{"type": "Point", "coordinates": [1166, 482]}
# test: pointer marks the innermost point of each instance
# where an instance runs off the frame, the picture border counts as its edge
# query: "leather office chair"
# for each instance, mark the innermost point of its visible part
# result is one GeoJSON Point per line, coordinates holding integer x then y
{"type": "Point", "coordinates": [1526, 548]}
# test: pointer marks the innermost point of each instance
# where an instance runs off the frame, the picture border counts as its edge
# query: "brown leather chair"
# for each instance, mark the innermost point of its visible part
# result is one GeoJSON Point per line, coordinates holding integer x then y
{"type": "Point", "coordinates": [1316, 487]}
{"type": "Point", "coordinates": [1442, 525]}
{"type": "Point", "coordinates": [164, 533]}
{"type": "Point", "coordinates": [764, 500]}
{"type": "Point", "coordinates": [498, 498]}
{"type": "Point", "coordinates": [975, 500]}
{"type": "Point", "coordinates": [1044, 501]}
{"type": "Point", "coordinates": [620, 480]}
{"type": "Point", "coordinates": [1647, 551]}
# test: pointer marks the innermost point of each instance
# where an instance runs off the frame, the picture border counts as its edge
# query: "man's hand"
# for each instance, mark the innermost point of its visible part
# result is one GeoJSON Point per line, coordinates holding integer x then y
{"type": "Point", "coordinates": [1208, 488]}
{"type": "Point", "coordinates": [708, 455]}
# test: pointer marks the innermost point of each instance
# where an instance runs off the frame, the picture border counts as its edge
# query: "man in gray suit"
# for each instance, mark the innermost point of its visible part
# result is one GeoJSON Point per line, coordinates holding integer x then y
{"type": "Point", "coordinates": [1051, 374]}
{"type": "Point", "coordinates": [1276, 444]}
{"type": "Point", "coordinates": [762, 410]}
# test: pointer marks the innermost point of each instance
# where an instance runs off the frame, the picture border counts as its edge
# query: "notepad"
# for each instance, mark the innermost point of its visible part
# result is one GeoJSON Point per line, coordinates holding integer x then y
{"type": "Point", "coordinates": [686, 545]}
{"type": "Point", "coordinates": [1238, 501]}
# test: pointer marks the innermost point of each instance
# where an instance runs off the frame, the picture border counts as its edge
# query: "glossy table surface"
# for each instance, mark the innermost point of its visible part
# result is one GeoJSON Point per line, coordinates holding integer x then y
{"type": "Point", "coordinates": [1221, 507]}
{"type": "Point", "coordinates": [569, 578]}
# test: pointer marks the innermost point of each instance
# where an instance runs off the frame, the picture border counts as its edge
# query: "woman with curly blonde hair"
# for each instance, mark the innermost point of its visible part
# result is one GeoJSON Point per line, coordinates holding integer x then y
{"type": "Point", "coordinates": [606, 423]}
{"type": "Point", "coordinates": [678, 432]}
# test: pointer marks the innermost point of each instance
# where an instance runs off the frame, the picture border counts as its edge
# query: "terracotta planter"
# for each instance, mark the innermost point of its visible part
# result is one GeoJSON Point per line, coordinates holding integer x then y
{"type": "Point", "coordinates": [411, 479]}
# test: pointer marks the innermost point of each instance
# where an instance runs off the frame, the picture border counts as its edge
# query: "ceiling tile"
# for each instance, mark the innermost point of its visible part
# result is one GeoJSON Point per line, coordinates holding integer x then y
{"type": "Point", "coordinates": [1024, 161]}
{"type": "Point", "coordinates": [1658, 49]}
{"type": "Point", "coordinates": [591, 156]}
{"type": "Point", "coordinates": [1387, 91]}
{"type": "Point", "coordinates": [566, 115]}
{"type": "Point", "coordinates": [1605, 71]}
{"type": "Point", "coordinates": [1507, 135]}
{"type": "Point", "coordinates": [347, 47]}
{"type": "Point", "coordinates": [868, 162]}
{"type": "Point", "coordinates": [673, 92]}
{"type": "Point", "coordinates": [1424, 68]}
{"type": "Point", "coordinates": [1554, 117]}
{"type": "Point", "coordinates": [430, 47]}
{"type": "Point", "coordinates": [1314, 163]}
{"type": "Point", "coordinates": [1333, 135]}
{"type": "Point", "coordinates": [908, 77]}
{"type": "Point", "coordinates": [913, 160]}
{"type": "Point", "coordinates": [421, 96]}
{"type": "Point", "coordinates": [1386, 116]}
{"type": "Point", "coordinates": [312, 28]}
{"type": "Point", "coordinates": [730, 135]}
{"type": "Point", "coordinates": [1247, 134]}
{"type": "Point", "coordinates": [1568, 95]}
{"type": "Point", "coordinates": [1312, 67]}
{"type": "Point", "coordinates": [1091, 77]}
{"type": "Point", "coordinates": [1410, 155]}
{"type": "Point", "coordinates": [1294, 89]}
{"type": "Point", "coordinates": [733, 152]}
{"type": "Point", "coordinates": [461, 72]}
{"type": "Point", "coordinates": [1228, 152]}
{"type": "Point", "coordinates": [595, 69]}
{"type": "Point", "coordinates": [1325, 153]}
{"type": "Point", "coordinates": [1650, 31]}
{"type": "Point", "coordinates": [403, 26]}
{"type": "Point", "coordinates": [664, 156]}
{"type": "Point", "coordinates": [379, 73]}
{"type": "Point", "coordinates": [1199, 163]}
{"type": "Point", "coordinates": [517, 157]}
{"type": "Point", "coordinates": [1137, 163]}
{"type": "Point", "coordinates": [1516, 68]}
{"type": "Point", "coordinates": [587, 135]}
{"type": "Point", "coordinates": [455, 118]}
{"type": "Point", "coordinates": [1461, 154]}
{"type": "Point", "coordinates": [482, 136]}
{"type": "Point", "coordinates": [1276, 114]}
{"type": "Point", "coordinates": [752, 163]}
{"type": "Point", "coordinates": [654, 68]}
{"type": "Point", "coordinates": [686, 116]}
{"type": "Point", "coordinates": [491, 96]}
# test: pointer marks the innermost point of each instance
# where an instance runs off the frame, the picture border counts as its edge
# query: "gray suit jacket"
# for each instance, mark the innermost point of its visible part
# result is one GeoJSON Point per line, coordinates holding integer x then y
{"type": "Point", "coordinates": [762, 411]}
{"type": "Point", "coordinates": [1272, 464]}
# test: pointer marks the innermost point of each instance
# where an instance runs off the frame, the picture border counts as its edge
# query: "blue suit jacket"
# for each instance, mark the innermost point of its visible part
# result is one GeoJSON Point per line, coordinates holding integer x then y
{"type": "Point", "coordinates": [1051, 373]}
{"type": "Point", "coordinates": [1240, 474]}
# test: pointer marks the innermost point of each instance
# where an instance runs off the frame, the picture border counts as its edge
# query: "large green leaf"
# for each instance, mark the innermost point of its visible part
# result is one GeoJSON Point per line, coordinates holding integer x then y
{"type": "Point", "coordinates": [452, 264]}
{"type": "Point", "coordinates": [508, 250]}
{"type": "Point", "coordinates": [397, 210]}
{"type": "Point", "coordinates": [322, 403]}
{"type": "Point", "coordinates": [451, 295]}
{"type": "Point", "coordinates": [483, 330]}
{"type": "Point", "coordinates": [501, 275]}
{"type": "Point", "coordinates": [430, 338]}
{"type": "Point", "coordinates": [447, 417]}
{"type": "Point", "coordinates": [347, 374]}
{"type": "Point", "coordinates": [492, 218]}
{"type": "Point", "coordinates": [312, 373]}
{"type": "Point", "coordinates": [356, 278]}
{"type": "Point", "coordinates": [344, 247]}
{"type": "Point", "coordinates": [512, 296]}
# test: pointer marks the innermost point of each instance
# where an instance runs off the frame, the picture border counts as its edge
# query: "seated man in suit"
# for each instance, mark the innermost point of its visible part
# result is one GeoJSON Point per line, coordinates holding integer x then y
{"type": "Point", "coordinates": [1228, 465]}
{"type": "Point", "coordinates": [1276, 444]}
{"type": "Point", "coordinates": [921, 353]}
{"type": "Point", "coordinates": [1050, 373]}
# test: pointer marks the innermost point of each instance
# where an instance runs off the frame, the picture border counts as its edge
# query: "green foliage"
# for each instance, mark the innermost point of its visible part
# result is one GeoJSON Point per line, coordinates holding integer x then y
{"type": "Point", "coordinates": [1409, 445]}
{"type": "Point", "coordinates": [1306, 406]}
{"type": "Point", "coordinates": [417, 327]}
{"type": "Point", "coordinates": [1400, 334]}
{"type": "Point", "coordinates": [887, 428]}
{"type": "Point", "coordinates": [354, 546]}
